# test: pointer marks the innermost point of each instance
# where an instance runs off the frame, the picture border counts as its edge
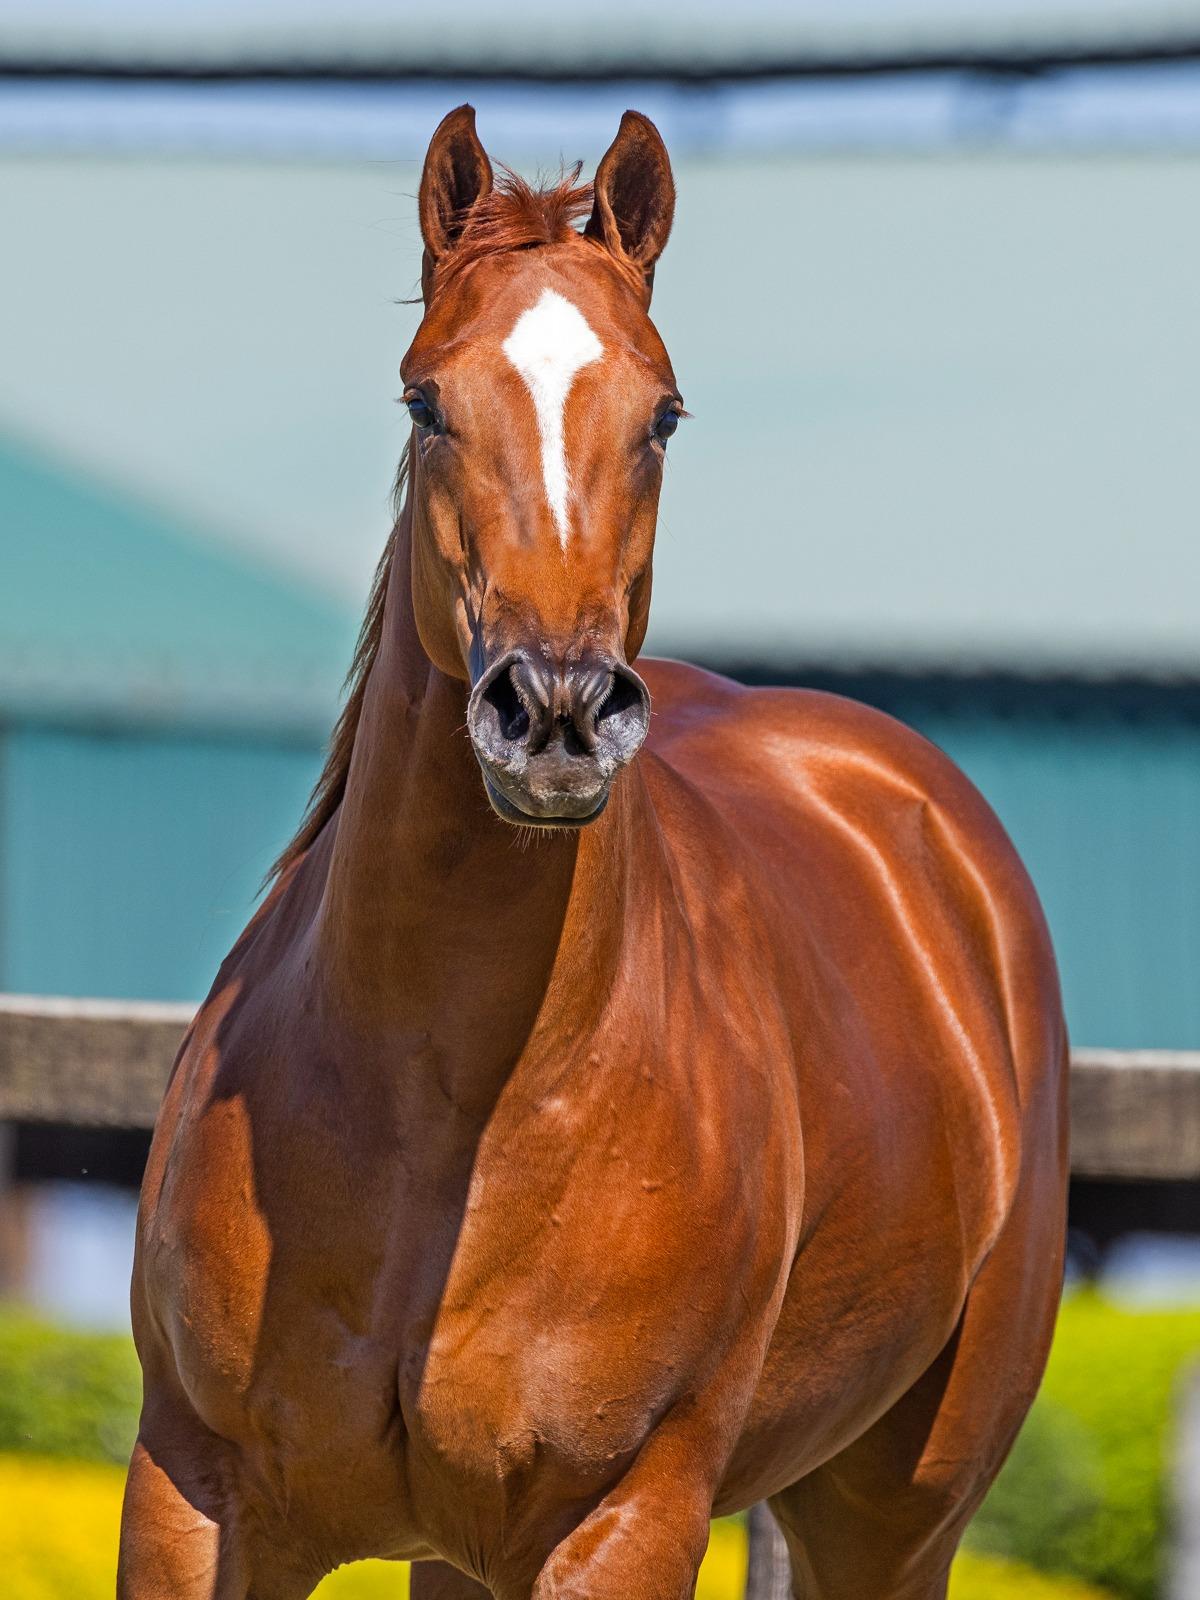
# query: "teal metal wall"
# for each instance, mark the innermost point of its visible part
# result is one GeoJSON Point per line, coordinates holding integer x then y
{"type": "Point", "coordinates": [1105, 813]}
{"type": "Point", "coordinates": [129, 864]}
{"type": "Point", "coordinates": [163, 706]}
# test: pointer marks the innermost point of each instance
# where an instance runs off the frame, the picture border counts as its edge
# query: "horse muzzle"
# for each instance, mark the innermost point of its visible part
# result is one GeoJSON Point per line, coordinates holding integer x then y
{"type": "Point", "coordinates": [551, 737]}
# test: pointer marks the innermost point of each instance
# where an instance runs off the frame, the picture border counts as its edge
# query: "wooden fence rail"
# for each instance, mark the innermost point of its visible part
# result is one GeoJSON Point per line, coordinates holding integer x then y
{"type": "Point", "coordinates": [103, 1063]}
{"type": "Point", "coordinates": [94, 1063]}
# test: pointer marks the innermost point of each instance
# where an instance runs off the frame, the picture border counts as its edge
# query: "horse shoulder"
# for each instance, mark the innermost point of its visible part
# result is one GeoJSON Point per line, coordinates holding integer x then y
{"type": "Point", "coordinates": [824, 765]}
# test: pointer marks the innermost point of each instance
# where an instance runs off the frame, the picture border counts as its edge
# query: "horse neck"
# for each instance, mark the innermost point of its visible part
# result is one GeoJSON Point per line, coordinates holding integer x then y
{"type": "Point", "coordinates": [438, 919]}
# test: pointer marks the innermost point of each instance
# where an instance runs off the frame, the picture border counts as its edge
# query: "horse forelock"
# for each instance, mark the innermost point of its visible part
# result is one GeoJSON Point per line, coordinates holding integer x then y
{"type": "Point", "coordinates": [516, 215]}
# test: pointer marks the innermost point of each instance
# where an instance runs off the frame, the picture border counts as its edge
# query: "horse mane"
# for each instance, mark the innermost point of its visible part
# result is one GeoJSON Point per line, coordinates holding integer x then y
{"type": "Point", "coordinates": [515, 215]}
{"type": "Point", "coordinates": [331, 785]}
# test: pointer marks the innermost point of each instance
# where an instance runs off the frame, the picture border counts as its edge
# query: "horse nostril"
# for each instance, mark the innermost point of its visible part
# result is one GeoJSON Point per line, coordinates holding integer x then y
{"type": "Point", "coordinates": [624, 696]}
{"type": "Point", "coordinates": [588, 717]}
{"type": "Point", "coordinates": [511, 716]}
{"type": "Point", "coordinates": [587, 696]}
{"type": "Point", "coordinates": [618, 713]}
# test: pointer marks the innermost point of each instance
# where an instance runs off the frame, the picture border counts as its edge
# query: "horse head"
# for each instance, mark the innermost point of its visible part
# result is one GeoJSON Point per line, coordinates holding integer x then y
{"type": "Point", "coordinates": [542, 400]}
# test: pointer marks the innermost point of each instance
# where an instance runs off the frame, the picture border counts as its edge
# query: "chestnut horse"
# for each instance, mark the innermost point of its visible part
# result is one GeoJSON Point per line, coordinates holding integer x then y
{"type": "Point", "coordinates": [527, 1191]}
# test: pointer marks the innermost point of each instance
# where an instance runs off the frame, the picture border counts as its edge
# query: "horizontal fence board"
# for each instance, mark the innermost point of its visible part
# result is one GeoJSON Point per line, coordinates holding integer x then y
{"type": "Point", "coordinates": [1135, 1113]}
{"type": "Point", "coordinates": [93, 1063]}
{"type": "Point", "coordinates": [103, 1063]}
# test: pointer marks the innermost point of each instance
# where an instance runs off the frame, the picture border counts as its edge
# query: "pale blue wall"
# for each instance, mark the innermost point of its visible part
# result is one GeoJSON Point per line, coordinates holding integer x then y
{"type": "Point", "coordinates": [945, 407]}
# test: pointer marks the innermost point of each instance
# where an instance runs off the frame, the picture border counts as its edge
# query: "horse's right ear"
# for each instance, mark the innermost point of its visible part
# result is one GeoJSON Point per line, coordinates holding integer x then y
{"type": "Point", "coordinates": [457, 173]}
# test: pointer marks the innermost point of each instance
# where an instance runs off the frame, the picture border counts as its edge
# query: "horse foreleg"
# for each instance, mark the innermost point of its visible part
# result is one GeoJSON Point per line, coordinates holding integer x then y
{"type": "Point", "coordinates": [180, 1533]}
{"type": "Point", "coordinates": [647, 1537]}
{"type": "Point", "coordinates": [170, 1547]}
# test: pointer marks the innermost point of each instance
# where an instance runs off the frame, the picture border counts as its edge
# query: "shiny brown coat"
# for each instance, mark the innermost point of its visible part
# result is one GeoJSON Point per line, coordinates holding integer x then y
{"type": "Point", "coordinates": [522, 1197]}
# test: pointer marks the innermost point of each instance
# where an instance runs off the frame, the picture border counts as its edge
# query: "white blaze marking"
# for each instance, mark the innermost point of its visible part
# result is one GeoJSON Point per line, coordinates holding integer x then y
{"type": "Point", "coordinates": [548, 345]}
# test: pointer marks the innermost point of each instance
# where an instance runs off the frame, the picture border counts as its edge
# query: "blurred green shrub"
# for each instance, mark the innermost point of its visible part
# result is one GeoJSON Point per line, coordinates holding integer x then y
{"type": "Point", "coordinates": [1048, 1496]}
{"type": "Point", "coordinates": [1086, 1490]}
{"type": "Point", "coordinates": [66, 1393]}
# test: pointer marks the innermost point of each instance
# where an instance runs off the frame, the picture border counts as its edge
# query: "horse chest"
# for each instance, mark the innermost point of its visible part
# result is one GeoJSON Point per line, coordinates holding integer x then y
{"type": "Point", "coordinates": [577, 1309]}
{"type": "Point", "coordinates": [510, 1412]}
{"type": "Point", "coordinates": [501, 1315]}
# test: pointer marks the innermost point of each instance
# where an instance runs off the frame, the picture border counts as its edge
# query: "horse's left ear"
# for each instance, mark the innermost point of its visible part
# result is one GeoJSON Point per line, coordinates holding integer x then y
{"type": "Point", "coordinates": [634, 196]}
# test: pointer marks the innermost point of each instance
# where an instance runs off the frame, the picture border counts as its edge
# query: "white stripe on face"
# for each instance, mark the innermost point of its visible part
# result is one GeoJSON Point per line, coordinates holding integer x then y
{"type": "Point", "coordinates": [548, 345]}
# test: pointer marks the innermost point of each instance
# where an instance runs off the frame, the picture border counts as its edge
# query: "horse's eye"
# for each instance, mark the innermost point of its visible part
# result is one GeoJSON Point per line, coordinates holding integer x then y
{"type": "Point", "coordinates": [666, 425]}
{"type": "Point", "coordinates": [420, 410]}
